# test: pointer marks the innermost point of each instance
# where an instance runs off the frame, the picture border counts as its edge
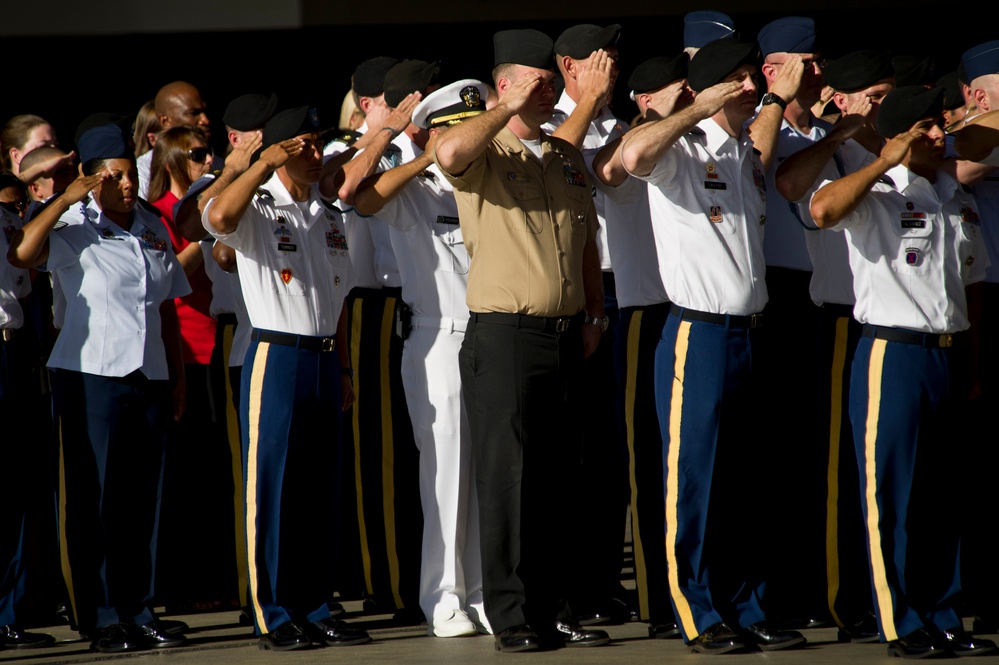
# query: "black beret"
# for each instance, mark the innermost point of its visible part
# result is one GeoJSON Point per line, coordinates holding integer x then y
{"type": "Point", "coordinates": [981, 60]}
{"type": "Point", "coordinates": [703, 26]}
{"type": "Point", "coordinates": [369, 77]}
{"type": "Point", "coordinates": [903, 107]}
{"type": "Point", "coordinates": [858, 70]}
{"type": "Point", "coordinates": [953, 97]}
{"type": "Point", "coordinates": [249, 112]}
{"type": "Point", "coordinates": [291, 123]}
{"type": "Point", "coordinates": [716, 60]}
{"type": "Point", "coordinates": [580, 41]}
{"type": "Point", "coordinates": [657, 72]}
{"type": "Point", "coordinates": [914, 70]}
{"type": "Point", "coordinates": [790, 34]}
{"type": "Point", "coordinates": [103, 142]}
{"type": "Point", "coordinates": [409, 76]}
{"type": "Point", "coordinates": [527, 47]}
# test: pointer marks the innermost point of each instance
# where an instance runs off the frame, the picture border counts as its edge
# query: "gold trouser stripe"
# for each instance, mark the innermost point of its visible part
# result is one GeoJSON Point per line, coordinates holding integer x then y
{"type": "Point", "coordinates": [685, 616]}
{"type": "Point", "coordinates": [388, 451]}
{"type": "Point", "coordinates": [253, 431]}
{"type": "Point", "coordinates": [236, 453]}
{"type": "Point", "coordinates": [67, 570]}
{"type": "Point", "coordinates": [832, 470]}
{"type": "Point", "coordinates": [357, 310]}
{"type": "Point", "coordinates": [630, 386]}
{"type": "Point", "coordinates": [886, 610]}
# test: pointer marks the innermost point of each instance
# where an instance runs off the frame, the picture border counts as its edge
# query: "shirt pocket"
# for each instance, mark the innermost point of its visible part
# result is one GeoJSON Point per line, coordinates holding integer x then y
{"type": "Point", "coordinates": [722, 206]}
{"type": "Point", "coordinates": [915, 248]}
{"type": "Point", "coordinates": [450, 249]}
{"type": "Point", "coordinates": [530, 209]}
{"type": "Point", "coordinates": [579, 199]}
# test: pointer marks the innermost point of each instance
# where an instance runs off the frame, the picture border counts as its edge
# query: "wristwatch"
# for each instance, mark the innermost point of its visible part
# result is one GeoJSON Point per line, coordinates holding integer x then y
{"type": "Point", "coordinates": [601, 323]}
{"type": "Point", "coordinates": [771, 98]}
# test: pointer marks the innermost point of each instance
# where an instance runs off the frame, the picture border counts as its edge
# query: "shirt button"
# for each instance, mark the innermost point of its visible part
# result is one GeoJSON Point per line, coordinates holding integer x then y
{"type": "Point", "coordinates": [561, 252]}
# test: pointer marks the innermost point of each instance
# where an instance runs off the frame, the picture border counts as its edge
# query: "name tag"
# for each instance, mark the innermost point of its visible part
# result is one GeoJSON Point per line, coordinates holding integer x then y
{"type": "Point", "coordinates": [913, 223]}
{"type": "Point", "coordinates": [287, 247]}
{"type": "Point", "coordinates": [715, 185]}
{"type": "Point", "coordinates": [443, 219]}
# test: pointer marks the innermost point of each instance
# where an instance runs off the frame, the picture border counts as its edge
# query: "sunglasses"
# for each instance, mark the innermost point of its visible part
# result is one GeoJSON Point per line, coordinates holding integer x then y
{"type": "Point", "coordinates": [199, 154]}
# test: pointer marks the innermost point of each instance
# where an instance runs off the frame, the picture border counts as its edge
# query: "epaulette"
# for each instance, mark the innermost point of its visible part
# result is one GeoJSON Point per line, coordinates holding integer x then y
{"type": "Point", "coordinates": [329, 206]}
{"type": "Point", "coordinates": [394, 154]}
{"type": "Point", "coordinates": [336, 136]}
{"type": "Point", "coordinates": [886, 180]}
{"type": "Point", "coordinates": [264, 194]}
{"type": "Point", "coordinates": [967, 189]}
{"type": "Point", "coordinates": [148, 207]}
{"type": "Point", "coordinates": [426, 175]}
{"type": "Point", "coordinates": [696, 131]}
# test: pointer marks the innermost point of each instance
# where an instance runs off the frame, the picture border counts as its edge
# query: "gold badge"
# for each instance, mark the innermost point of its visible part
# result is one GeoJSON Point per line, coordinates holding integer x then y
{"type": "Point", "coordinates": [286, 275]}
{"type": "Point", "coordinates": [710, 167]}
{"type": "Point", "coordinates": [336, 280]}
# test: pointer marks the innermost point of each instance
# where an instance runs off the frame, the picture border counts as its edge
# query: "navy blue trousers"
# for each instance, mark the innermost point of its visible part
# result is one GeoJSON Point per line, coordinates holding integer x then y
{"type": "Point", "coordinates": [290, 413]}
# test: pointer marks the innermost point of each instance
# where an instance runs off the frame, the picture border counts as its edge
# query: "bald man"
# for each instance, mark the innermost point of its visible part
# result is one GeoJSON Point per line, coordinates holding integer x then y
{"type": "Point", "coordinates": [176, 104]}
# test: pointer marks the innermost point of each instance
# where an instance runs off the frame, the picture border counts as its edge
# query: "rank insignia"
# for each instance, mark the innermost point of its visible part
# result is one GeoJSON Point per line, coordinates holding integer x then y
{"type": "Point", "coordinates": [710, 167]}
{"type": "Point", "coordinates": [336, 280]}
{"type": "Point", "coordinates": [969, 215]}
{"type": "Point", "coordinates": [470, 95]}
{"type": "Point", "coordinates": [716, 214]}
{"type": "Point", "coordinates": [286, 275]}
{"type": "Point", "coordinates": [763, 220]}
{"type": "Point", "coordinates": [913, 256]}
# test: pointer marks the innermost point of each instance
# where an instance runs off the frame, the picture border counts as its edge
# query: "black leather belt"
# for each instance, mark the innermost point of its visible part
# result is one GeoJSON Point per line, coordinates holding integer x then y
{"type": "Point", "coordinates": [546, 324]}
{"type": "Point", "coordinates": [318, 344]}
{"type": "Point", "coordinates": [748, 321]}
{"type": "Point", "coordinates": [905, 336]}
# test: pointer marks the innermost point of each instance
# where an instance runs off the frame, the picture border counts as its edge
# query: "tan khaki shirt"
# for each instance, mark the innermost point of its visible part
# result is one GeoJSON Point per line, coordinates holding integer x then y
{"type": "Point", "coordinates": [525, 223]}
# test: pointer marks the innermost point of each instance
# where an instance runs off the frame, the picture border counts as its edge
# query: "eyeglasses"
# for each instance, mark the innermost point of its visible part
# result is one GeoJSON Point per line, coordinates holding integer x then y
{"type": "Point", "coordinates": [199, 154]}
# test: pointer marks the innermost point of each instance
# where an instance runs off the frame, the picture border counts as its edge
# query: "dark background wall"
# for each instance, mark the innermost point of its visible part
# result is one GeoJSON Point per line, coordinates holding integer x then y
{"type": "Point", "coordinates": [79, 59]}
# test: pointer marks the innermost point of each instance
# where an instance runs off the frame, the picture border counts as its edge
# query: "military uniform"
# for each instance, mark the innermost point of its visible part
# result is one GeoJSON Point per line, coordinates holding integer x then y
{"type": "Point", "coordinates": [914, 247]}
{"type": "Point", "coordinates": [708, 201]}
{"type": "Point", "coordinates": [525, 222]}
{"type": "Point", "coordinates": [295, 270]}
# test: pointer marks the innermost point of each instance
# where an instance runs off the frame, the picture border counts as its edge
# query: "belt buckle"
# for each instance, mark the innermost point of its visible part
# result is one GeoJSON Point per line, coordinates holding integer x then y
{"type": "Point", "coordinates": [946, 341]}
{"type": "Point", "coordinates": [755, 320]}
{"type": "Point", "coordinates": [327, 344]}
{"type": "Point", "coordinates": [8, 334]}
{"type": "Point", "coordinates": [561, 325]}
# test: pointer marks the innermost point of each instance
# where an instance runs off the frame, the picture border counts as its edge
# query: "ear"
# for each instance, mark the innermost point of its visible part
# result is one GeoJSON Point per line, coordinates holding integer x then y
{"type": "Point", "coordinates": [769, 71]}
{"type": "Point", "coordinates": [15, 156]}
{"type": "Point", "coordinates": [568, 66]}
{"type": "Point", "coordinates": [839, 99]}
{"type": "Point", "coordinates": [981, 99]}
{"type": "Point", "coordinates": [164, 121]}
{"type": "Point", "coordinates": [365, 104]}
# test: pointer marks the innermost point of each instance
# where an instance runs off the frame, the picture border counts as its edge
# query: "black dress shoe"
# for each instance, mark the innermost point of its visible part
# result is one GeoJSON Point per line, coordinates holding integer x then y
{"type": "Point", "coordinates": [917, 644]}
{"type": "Point", "coordinates": [574, 635]}
{"type": "Point", "coordinates": [769, 639]}
{"type": "Point", "coordinates": [285, 637]}
{"type": "Point", "coordinates": [517, 638]}
{"type": "Point", "coordinates": [717, 639]}
{"type": "Point", "coordinates": [158, 636]}
{"type": "Point", "coordinates": [12, 637]}
{"type": "Point", "coordinates": [961, 643]}
{"type": "Point", "coordinates": [664, 631]}
{"type": "Point", "coordinates": [862, 631]}
{"type": "Point", "coordinates": [334, 633]}
{"type": "Point", "coordinates": [118, 638]}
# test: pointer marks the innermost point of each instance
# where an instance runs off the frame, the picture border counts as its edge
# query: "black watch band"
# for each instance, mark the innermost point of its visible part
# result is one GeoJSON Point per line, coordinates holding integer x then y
{"type": "Point", "coordinates": [771, 98]}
